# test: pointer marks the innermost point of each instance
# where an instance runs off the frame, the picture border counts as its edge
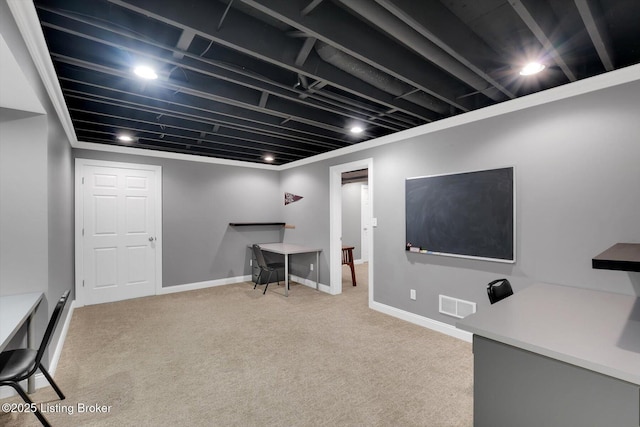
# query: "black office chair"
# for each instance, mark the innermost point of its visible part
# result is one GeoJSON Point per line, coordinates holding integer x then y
{"type": "Point", "coordinates": [18, 365]}
{"type": "Point", "coordinates": [265, 266]}
{"type": "Point", "coordinates": [499, 289]}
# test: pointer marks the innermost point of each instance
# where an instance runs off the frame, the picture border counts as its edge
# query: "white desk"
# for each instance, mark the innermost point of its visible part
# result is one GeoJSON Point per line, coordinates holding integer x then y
{"type": "Point", "coordinates": [288, 249]}
{"type": "Point", "coordinates": [557, 353]}
{"type": "Point", "coordinates": [15, 310]}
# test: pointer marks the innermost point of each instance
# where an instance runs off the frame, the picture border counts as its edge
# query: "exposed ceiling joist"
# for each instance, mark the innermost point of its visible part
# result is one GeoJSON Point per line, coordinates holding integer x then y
{"type": "Point", "coordinates": [548, 46]}
{"type": "Point", "coordinates": [347, 34]}
{"type": "Point", "coordinates": [239, 79]}
{"type": "Point", "coordinates": [597, 30]}
{"type": "Point", "coordinates": [271, 46]}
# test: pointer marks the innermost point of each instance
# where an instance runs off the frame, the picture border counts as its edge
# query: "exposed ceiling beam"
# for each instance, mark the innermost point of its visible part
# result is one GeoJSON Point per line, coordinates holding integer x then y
{"type": "Point", "coordinates": [526, 16]}
{"type": "Point", "coordinates": [142, 129]}
{"type": "Point", "coordinates": [247, 99]}
{"type": "Point", "coordinates": [394, 26]}
{"type": "Point", "coordinates": [205, 111]}
{"type": "Point", "coordinates": [597, 30]}
{"type": "Point", "coordinates": [231, 74]}
{"type": "Point", "coordinates": [272, 46]}
{"type": "Point", "coordinates": [263, 99]}
{"type": "Point", "coordinates": [339, 29]}
{"type": "Point", "coordinates": [305, 50]}
{"type": "Point", "coordinates": [224, 15]}
{"type": "Point", "coordinates": [438, 25]}
{"type": "Point", "coordinates": [309, 8]}
{"type": "Point", "coordinates": [184, 42]}
{"type": "Point", "coordinates": [88, 135]}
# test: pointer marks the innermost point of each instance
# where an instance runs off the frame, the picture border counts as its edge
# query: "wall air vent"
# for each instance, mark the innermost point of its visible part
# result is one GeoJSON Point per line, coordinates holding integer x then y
{"type": "Point", "coordinates": [456, 307]}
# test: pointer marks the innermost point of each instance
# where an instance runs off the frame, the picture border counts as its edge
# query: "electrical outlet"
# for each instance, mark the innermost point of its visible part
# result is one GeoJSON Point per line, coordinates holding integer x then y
{"type": "Point", "coordinates": [311, 267]}
{"type": "Point", "coordinates": [412, 294]}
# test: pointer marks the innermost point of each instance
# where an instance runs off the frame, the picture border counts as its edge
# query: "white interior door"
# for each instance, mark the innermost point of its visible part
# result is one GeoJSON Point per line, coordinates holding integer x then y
{"type": "Point", "coordinates": [365, 219]}
{"type": "Point", "coordinates": [119, 236]}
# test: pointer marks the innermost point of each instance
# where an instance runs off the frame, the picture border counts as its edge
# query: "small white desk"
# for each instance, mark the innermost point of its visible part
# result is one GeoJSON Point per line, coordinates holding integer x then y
{"type": "Point", "coordinates": [288, 249]}
{"type": "Point", "coordinates": [15, 310]}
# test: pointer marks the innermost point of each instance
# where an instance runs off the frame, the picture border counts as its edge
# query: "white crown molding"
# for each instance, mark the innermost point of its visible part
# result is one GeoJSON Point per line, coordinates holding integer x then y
{"type": "Point", "coordinates": [569, 90]}
{"type": "Point", "coordinates": [26, 17]}
{"type": "Point", "coordinates": [168, 155]}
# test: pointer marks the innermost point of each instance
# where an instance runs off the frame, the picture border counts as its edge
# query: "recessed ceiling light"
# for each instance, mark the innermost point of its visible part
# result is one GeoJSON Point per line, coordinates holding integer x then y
{"type": "Point", "coordinates": [145, 72]}
{"type": "Point", "coordinates": [531, 68]}
{"type": "Point", "coordinates": [125, 138]}
{"type": "Point", "coordinates": [357, 129]}
{"type": "Point", "coordinates": [268, 158]}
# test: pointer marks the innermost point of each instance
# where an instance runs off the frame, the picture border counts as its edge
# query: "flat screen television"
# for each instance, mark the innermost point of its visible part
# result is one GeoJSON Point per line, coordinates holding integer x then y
{"type": "Point", "coordinates": [468, 215]}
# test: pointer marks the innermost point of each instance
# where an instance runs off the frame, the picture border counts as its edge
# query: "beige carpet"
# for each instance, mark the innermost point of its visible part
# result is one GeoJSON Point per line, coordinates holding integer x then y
{"type": "Point", "coordinates": [230, 356]}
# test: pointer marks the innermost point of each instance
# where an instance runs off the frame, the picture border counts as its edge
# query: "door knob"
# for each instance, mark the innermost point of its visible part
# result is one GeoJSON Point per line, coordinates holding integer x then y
{"type": "Point", "coordinates": [151, 239]}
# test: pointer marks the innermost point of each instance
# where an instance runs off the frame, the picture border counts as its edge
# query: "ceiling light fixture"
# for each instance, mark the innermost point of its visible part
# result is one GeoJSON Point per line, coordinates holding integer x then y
{"type": "Point", "coordinates": [268, 158]}
{"type": "Point", "coordinates": [356, 129]}
{"type": "Point", "coordinates": [531, 68]}
{"type": "Point", "coordinates": [145, 72]}
{"type": "Point", "coordinates": [125, 138]}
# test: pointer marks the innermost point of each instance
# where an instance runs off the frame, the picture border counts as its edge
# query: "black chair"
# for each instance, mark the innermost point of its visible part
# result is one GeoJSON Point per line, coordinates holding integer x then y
{"type": "Point", "coordinates": [265, 267]}
{"type": "Point", "coordinates": [18, 365]}
{"type": "Point", "coordinates": [499, 289]}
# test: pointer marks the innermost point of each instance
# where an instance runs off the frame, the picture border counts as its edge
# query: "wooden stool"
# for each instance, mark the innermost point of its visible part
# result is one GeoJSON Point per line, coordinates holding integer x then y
{"type": "Point", "coordinates": [347, 258]}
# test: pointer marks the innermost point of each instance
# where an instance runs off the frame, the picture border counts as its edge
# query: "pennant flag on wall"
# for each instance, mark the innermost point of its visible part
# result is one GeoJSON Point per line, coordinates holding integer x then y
{"type": "Point", "coordinates": [290, 198]}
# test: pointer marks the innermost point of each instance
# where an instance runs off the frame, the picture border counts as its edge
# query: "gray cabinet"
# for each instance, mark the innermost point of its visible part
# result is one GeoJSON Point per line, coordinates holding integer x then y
{"type": "Point", "coordinates": [515, 387]}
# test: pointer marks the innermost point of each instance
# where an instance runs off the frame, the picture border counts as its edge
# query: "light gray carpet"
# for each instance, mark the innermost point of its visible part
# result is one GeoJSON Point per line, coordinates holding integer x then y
{"type": "Point", "coordinates": [230, 356]}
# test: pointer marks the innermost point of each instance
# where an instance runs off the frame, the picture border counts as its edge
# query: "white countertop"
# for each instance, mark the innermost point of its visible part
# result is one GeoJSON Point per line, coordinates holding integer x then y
{"type": "Point", "coordinates": [287, 248]}
{"type": "Point", "coordinates": [14, 311]}
{"type": "Point", "coordinates": [599, 331]}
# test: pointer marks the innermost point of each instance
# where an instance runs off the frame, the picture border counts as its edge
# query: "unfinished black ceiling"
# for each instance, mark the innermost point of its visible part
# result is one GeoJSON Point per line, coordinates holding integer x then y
{"type": "Point", "coordinates": [240, 79]}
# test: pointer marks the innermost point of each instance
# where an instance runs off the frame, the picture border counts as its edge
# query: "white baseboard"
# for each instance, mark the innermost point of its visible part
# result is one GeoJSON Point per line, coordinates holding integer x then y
{"type": "Point", "coordinates": [232, 281]}
{"type": "Point", "coordinates": [203, 285]}
{"type": "Point", "coordinates": [435, 325]}
{"type": "Point", "coordinates": [310, 283]}
{"type": "Point", "coordinates": [41, 381]}
{"type": "Point", "coordinates": [53, 361]}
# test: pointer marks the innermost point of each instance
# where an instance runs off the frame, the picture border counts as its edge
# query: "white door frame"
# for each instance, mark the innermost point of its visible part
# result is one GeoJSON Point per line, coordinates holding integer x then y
{"type": "Point", "coordinates": [365, 219]}
{"type": "Point", "coordinates": [80, 166]}
{"type": "Point", "coordinates": [335, 223]}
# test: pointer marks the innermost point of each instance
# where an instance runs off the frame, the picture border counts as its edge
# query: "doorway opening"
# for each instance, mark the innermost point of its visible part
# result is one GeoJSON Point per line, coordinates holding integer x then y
{"type": "Point", "coordinates": [344, 234]}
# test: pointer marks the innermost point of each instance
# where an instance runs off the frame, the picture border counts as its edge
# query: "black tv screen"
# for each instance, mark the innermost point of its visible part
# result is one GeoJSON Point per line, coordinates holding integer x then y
{"type": "Point", "coordinates": [469, 214]}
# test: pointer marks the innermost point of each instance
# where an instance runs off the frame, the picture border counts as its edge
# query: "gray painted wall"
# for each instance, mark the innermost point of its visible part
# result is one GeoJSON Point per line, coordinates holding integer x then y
{"type": "Point", "coordinates": [23, 211]}
{"type": "Point", "coordinates": [577, 194]}
{"type": "Point", "coordinates": [60, 199]}
{"type": "Point", "coordinates": [310, 216]}
{"type": "Point", "coordinates": [36, 196]}
{"type": "Point", "coordinates": [199, 202]}
{"type": "Point", "coordinates": [352, 217]}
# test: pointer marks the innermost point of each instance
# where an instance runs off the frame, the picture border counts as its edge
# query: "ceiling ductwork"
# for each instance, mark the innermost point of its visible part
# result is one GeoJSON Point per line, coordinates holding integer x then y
{"type": "Point", "coordinates": [378, 79]}
{"type": "Point", "coordinates": [425, 48]}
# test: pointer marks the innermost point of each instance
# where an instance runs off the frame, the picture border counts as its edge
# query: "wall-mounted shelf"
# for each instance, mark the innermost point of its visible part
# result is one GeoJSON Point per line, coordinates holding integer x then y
{"type": "Point", "coordinates": [253, 224]}
{"type": "Point", "coordinates": [621, 256]}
